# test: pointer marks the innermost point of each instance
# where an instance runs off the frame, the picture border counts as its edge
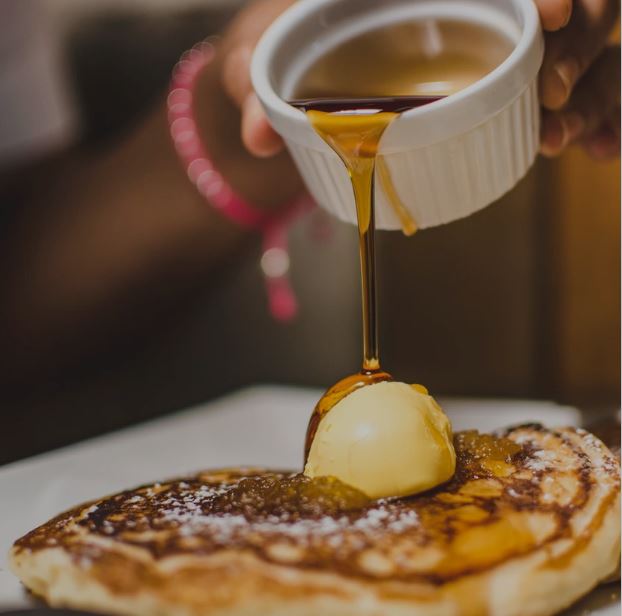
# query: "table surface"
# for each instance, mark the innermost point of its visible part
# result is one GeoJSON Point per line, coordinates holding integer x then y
{"type": "Point", "coordinates": [262, 426]}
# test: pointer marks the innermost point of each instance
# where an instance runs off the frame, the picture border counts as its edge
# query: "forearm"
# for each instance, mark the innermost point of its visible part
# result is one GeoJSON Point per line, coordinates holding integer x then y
{"type": "Point", "coordinates": [98, 240]}
{"type": "Point", "coordinates": [95, 237]}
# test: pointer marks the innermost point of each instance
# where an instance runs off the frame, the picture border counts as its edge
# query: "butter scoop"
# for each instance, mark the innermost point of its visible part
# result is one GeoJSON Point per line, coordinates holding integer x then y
{"type": "Point", "coordinates": [387, 439]}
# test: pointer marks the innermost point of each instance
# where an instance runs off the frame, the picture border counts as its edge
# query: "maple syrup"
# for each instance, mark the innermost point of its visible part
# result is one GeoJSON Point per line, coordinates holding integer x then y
{"type": "Point", "coordinates": [295, 495]}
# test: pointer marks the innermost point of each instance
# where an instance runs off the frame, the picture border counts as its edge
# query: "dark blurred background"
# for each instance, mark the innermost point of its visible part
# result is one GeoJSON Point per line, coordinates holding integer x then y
{"type": "Point", "coordinates": [520, 300]}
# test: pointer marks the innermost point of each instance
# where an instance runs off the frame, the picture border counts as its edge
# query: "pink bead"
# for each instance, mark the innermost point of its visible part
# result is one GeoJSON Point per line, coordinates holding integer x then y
{"type": "Point", "coordinates": [190, 149]}
{"type": "Point", "coordinates": [192, 55]}
{"type": "Point", "coordinates": [207, 49]}
{"type": "Point", "coordinates": [185, 67]}
{"type": "Point", "coordinates": [184, 80]}
{"type": "Point", "coordinates": [183, 130]}
{"type": "Point", "coordinates": [213, 187]}
{"type": "Point", "coordinates": [283, 304]}
{"type": "Point", "coordinates": [179, 101]}
{"type": "Point", "coordinates": [204, 179]}
{"type": "Point", "coordinates": [226, 193]}
{"type": "Point", "coordinates": [197, 167]}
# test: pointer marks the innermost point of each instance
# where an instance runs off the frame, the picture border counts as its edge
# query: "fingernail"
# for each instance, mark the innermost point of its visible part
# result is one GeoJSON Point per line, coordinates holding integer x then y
{"type": "Point", "coordinates": [552, 137]}
{"type": "Point", "coordinates": [568, 15]}
{"type": "Point", "coordinates": [567, 72]}
{"type": "Point", "coordinates": [573, 124]}
{"type": "Point", "coordinates": [557, 83]}
{"type": "Point", "coordinates": [254, 125]}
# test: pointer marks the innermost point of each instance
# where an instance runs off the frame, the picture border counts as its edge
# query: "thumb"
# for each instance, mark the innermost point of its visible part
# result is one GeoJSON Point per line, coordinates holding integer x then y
{"type": "Point", "coordinates": [258, 136]}
{"type": "Point", "coordinates": [236, 78]}
{"type": "Point", "coordinates": [240, 40]}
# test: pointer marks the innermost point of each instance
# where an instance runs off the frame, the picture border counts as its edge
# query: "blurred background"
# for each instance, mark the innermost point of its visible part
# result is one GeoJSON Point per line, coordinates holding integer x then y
{"type": "Point", "coordinates": [519, 300]}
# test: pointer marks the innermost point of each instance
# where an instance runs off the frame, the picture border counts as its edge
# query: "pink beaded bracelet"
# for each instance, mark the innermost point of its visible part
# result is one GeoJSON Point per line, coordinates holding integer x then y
{"type": "Point", "coordinates": [210, 183]}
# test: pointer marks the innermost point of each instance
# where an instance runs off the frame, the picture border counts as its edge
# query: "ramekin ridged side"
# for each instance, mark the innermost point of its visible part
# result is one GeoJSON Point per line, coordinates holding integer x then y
{"type": "Point", "coordinates": [443, 181]}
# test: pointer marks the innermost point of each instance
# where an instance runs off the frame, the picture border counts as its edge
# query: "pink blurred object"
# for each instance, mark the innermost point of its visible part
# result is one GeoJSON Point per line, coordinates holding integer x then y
{"type": "Point", "coordinates": [211, 184]}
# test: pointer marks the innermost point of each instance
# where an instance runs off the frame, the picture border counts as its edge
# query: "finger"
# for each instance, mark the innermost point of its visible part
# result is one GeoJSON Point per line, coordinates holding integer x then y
{"type": "Point", "coordinates": [236, 74]}
{"type": "Point", "coordinates": [558, 131]}
{"type": "Point", "coordinates": [594, 101]}
{"type": "Point", "coordinates": [557, 81]}
{"type": "Point", "coordinates": [604, 144]}
{"type": "Point", "coordinates": [239, 42]}
{"type": "Point", "coordinates": [598, 93]}
{"type": "Point", "coordinates": [570, 51]}
{"type": "Point", "coordinates": [258, 136]}
{"type": "Point", "coordinates": [554, 14]}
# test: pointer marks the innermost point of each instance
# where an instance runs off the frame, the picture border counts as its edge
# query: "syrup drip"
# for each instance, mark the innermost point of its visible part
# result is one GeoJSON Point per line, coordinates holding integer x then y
{"type": "Point", "coordinates": [353, 129]}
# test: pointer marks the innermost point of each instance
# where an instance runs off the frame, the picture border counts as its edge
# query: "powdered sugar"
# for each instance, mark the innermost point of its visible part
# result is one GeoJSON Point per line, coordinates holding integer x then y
{"type": "Point", "coordinates": [522, 439]}
{"type": "Point", "coordinates": [537, 465]}
{"type": "Point", "coordinates": [542, 460]}
{"type": "Point", "coordinates": [189, 511]}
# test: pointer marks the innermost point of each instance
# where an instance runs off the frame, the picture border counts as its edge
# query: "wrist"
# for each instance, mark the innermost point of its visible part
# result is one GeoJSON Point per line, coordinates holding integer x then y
{"type": "Point", "coordinates": [267, 183]}
{"type": "Point", "coordinates": [227, 186]}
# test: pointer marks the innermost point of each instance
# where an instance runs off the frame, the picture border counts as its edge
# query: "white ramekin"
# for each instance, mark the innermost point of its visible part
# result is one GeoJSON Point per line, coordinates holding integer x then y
{"type": "Point", "coordinates": [447, 159]}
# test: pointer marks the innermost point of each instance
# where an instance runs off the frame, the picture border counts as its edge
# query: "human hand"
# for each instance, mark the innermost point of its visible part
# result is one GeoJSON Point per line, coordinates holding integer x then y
{"type": "Point", "coordinates": [580, 77]}
{"type": "Point", "coordinates": [241, 142]}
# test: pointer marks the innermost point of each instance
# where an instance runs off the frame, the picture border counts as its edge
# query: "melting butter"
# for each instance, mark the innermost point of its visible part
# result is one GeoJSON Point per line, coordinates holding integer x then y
{"type": "Point", "coordinates": [386, 439]}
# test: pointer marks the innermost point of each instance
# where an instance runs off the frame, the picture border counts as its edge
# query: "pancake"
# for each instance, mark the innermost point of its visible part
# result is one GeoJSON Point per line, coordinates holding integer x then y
{"type": "Point", "coordinates": [529, 523]}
